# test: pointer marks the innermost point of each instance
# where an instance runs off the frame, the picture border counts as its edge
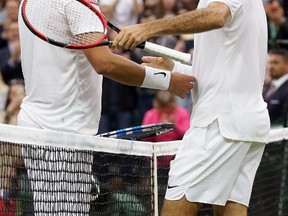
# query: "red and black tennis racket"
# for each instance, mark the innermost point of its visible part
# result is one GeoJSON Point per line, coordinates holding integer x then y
{"type": "Point", "coordinates": [78, 24]}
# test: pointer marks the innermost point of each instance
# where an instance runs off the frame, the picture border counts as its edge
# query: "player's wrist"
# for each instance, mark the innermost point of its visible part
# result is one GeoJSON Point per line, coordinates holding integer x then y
{"type": "Point", "coordinates": [156, 79]}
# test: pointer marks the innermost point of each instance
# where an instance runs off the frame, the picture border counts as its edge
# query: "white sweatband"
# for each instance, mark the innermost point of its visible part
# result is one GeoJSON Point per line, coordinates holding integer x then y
{"type": "Point", "coordinates": [182, 68]}
{"type": "Point", "coordinates": [177, 66]}
{"type": "Point", "coordinates": [156, 79]}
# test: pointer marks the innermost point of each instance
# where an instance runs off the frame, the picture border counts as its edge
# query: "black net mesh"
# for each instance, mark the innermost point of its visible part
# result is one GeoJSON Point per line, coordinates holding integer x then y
{"type": "Point", "coordinates": [56, 181]}
{"type": "Point", "coordinates": [39, 180]}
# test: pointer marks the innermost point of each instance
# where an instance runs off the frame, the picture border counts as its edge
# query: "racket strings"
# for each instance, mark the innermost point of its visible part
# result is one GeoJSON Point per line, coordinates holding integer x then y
{"type": "Point", "coordinates": [88, 38]}
{"type": "Point", "coordinates": [65, 21]}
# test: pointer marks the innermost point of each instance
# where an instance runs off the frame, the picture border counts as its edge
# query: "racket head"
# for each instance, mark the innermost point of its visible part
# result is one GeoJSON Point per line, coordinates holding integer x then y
{"type": "Point", "coordinates": [73, 24]}
{"type": "Point", "coordinates": [140, 132]}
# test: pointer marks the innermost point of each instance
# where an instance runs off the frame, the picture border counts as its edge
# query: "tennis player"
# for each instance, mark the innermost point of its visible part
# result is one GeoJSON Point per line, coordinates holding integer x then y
{"type": "Point", "coordinates": [63, 90]}
{"type": "Point", "coordinates": [220, 153]}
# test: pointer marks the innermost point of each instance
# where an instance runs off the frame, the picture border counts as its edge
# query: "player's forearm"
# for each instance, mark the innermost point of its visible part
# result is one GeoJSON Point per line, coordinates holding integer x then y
{"type": "Point", "coordinates": [124, 71]}
{"type": "Point", "coordinates": [114, 66]}
{"type": "Point", "coordinates": [193, 22]}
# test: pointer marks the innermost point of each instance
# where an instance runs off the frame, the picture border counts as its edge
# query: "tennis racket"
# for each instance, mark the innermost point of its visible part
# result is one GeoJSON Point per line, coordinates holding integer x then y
{"type": "Point", "coordinates": [78, 24]}
{"type": "Point", "coordinates": [140, 132]}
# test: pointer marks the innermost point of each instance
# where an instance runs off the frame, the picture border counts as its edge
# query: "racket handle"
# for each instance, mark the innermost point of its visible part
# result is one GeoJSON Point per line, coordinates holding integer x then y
{"type": "Point", "coordinates": [167, 52]}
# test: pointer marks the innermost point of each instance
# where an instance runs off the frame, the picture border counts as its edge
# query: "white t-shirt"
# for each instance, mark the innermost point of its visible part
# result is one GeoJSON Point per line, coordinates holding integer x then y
{"type": "Point", "coordinates": [229, 65]}
{"type": "Point", "coordinates": [63, 90]}
{"type": "Point", "coordinates": [123, 14]}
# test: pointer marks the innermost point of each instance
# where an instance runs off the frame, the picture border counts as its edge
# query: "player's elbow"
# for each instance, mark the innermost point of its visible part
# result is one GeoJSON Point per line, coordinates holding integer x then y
{"type": "Point", "coordinates": [104, 67]}
{"type": "Point", "coordinates": [100, 58]}
{"type": "Point", "coordinates": [219, 13]}
{"type": "Point", "coordinates": [220, 22]}
{"type": "Point", "coordinates": [219, 19]}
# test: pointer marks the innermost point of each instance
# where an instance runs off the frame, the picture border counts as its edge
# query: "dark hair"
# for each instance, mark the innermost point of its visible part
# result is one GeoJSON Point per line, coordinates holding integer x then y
{"type": "Point", "coordinates": [282, 52]}
{"type": "Point", "coordinates": [2, 3]}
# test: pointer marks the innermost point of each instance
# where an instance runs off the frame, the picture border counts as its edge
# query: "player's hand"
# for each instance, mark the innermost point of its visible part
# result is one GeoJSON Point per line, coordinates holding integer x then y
{"type": "Point", "coordinates": [181, 84]}
{"type": "Point", "coordinates": [130, 37]}
{"type": "Point", "coordinates": [158, 62]}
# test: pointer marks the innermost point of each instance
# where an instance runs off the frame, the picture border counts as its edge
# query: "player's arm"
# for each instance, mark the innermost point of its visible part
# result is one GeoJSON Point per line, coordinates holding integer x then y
{"type": "Point", "coordinates": [127, 72]}
{"type": "Point", "coordinates": [212, 17]}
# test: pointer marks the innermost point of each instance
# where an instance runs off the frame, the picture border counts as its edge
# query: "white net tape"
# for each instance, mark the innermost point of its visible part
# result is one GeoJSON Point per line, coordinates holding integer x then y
{"type": "Point", "coordinates": [22, 135]}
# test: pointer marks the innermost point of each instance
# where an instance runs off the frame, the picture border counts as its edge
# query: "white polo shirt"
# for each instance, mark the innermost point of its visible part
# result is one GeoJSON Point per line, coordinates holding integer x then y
{"type": "Point", "coordinates": [229, 65]}
{"type": "Point", "coordinates": [63, 90]}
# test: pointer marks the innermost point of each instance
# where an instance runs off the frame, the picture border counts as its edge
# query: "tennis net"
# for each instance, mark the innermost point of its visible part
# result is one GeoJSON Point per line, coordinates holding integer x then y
{"type": "Point", "coordinates": [55, 173]}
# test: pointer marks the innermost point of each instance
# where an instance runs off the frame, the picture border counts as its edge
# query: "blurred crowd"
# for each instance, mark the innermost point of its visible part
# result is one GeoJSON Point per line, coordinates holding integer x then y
{"type": "Point", "coordinates": [124, 106]}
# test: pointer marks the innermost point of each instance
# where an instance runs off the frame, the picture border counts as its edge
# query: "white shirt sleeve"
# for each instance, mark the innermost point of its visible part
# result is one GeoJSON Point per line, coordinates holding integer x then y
{"type": "Point", "coordinates": [81, 19]}
{"type": "Point", "coordinates": [234, 5]}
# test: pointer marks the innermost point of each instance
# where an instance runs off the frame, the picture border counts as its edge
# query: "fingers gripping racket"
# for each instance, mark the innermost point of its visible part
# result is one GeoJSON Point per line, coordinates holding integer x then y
{"type": "Point", "coordinates": [78, 24]}
{"type": "Point", "coordinates": [140, 132]}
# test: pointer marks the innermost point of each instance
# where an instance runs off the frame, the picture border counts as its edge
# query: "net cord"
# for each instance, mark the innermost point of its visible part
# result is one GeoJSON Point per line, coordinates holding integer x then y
{"type": "Point", "coordinates": [33, 136]}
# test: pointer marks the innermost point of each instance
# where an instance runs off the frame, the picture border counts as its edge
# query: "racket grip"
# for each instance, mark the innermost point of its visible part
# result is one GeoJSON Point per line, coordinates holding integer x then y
{"type": "Point", "coordinates": [167, 52]}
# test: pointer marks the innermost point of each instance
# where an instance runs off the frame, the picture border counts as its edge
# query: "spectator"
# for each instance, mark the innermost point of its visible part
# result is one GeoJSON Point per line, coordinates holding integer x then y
{"type": "Point", "coordinates": [168, 8]}
{"type": "Point", "coordinates": [188, 4]}
{"type": "Point", "coordinates": [123, 13]}
{"type": "Point", "coordinates": [276, 95]}
{"type": "Point", "coordinates": [2, 17]}
{"type": "Point", "coordinates": [3, 33]}
{"type": "Point", "coordinates": [122, 202]}
{"type": "Point", "coordinates": [10, 63]}
{"type": "Point", "coordinates": [267, 79]}
{"type": "Point", "coordinates": [15, 96]}
{"type": "Point", "coordinates": [10, 15]}
{"type": "Point", "coordinates": [12, 50]}
{"type": "Point", "coordinates": [2, 12]}
{"type": "Point", "coordinates": [12, 7]}
{"type": "Point", "coordinates": [152, 5]}
{"type": "Point", "coordinates": [277, 25]}
{"type": "Point", "coordinates": [165, 109]}
{"type": "Point", "coordinates": [3, 94]}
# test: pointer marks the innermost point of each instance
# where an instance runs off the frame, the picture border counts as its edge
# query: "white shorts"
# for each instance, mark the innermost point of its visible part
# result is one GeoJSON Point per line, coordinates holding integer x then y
{"type": "Point", "coordinates": [209, 168]}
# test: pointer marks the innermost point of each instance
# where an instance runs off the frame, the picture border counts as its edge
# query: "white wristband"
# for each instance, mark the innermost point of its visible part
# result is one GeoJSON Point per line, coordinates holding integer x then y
{"type": "Point", "coordinates": [177, 66]}
{"type": "Point", "coordinates": [182, 68]}
{"type": "Point", "coordinates": [156, 79]}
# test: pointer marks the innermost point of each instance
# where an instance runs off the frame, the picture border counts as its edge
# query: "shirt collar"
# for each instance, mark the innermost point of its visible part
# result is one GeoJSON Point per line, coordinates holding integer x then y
{"type": "Point", "coordinates": [278, 82]}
